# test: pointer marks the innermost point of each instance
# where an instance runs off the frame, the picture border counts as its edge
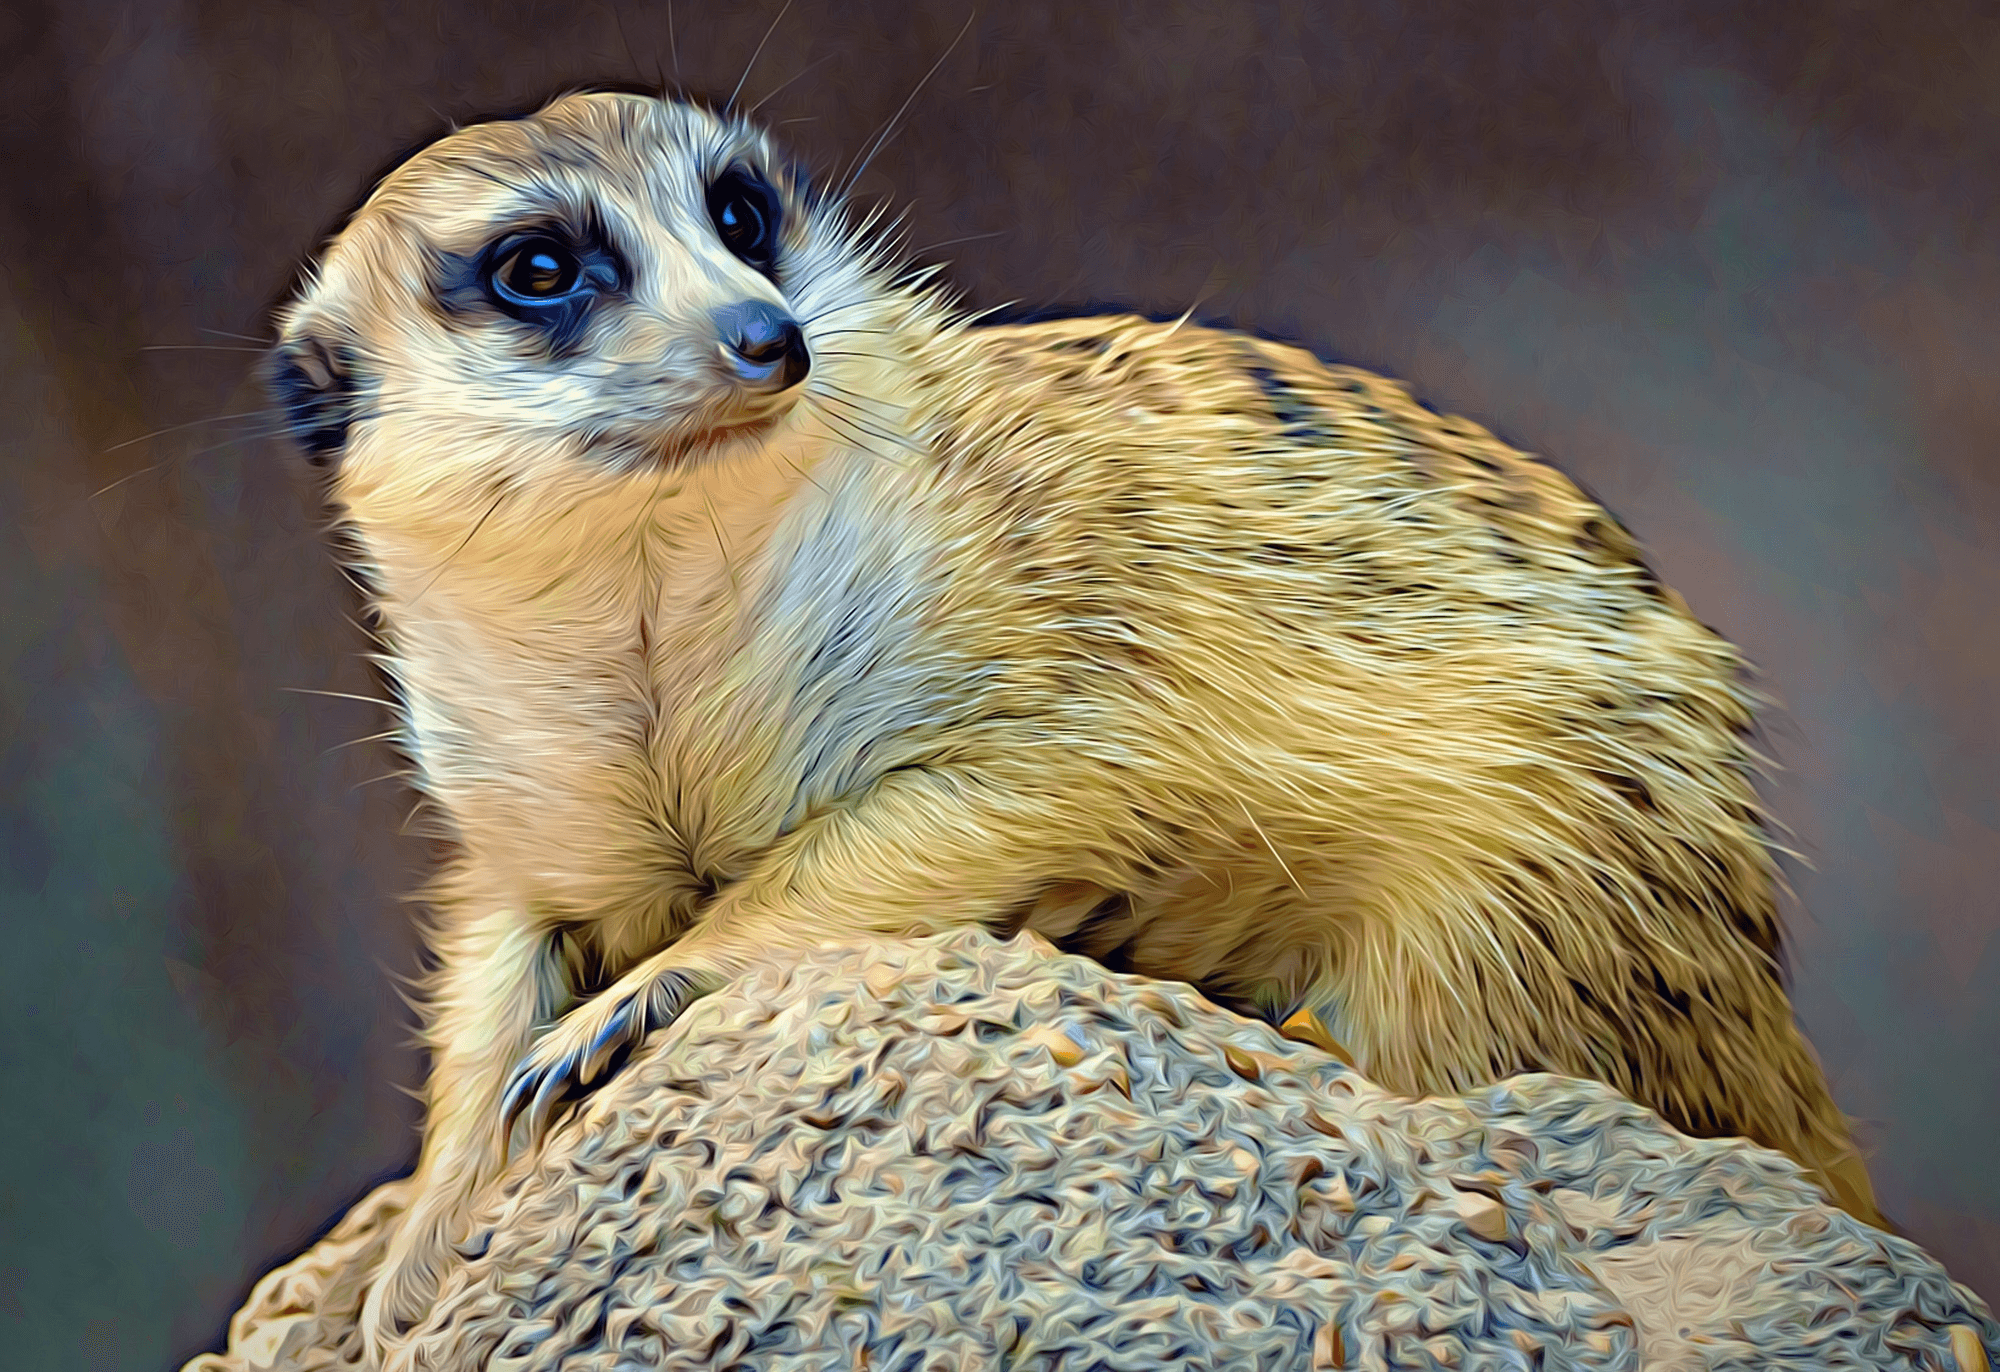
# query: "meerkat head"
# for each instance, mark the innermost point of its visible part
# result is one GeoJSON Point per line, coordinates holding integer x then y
{"type": "Point", "coordinates": [610, 285]}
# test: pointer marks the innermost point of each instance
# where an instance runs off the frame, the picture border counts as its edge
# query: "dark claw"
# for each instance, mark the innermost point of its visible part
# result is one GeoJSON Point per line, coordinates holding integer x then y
{"type": "Point", "coordinates": [518, 1090]}
{"type": "Point", "coordinates": [560, 1085]}
{"type": "Point", "coordinates": [539, 1092]}
{"type": "Point", "coordinates": [627, 1025]}
{"type": "Point", "coordinates": [522, 1093]}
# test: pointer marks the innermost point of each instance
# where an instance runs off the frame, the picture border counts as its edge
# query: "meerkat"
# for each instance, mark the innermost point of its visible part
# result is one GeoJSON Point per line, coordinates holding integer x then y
{"type": "Point", "coordinates": [744, 594]}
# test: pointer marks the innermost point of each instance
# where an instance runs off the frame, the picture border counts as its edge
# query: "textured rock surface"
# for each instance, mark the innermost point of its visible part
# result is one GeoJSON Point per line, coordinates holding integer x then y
{"type": "Point", "coordinates": [963, 1154]}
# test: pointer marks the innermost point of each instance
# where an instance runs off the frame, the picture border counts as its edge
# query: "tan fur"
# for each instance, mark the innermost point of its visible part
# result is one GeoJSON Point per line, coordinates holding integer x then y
{"type": "Point", "coordinates": [1353, 704]}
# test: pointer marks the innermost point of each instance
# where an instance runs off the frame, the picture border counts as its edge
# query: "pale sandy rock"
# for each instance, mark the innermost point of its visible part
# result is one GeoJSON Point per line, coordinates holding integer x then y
{"type": "Point", "coordinates": [995, 1158]}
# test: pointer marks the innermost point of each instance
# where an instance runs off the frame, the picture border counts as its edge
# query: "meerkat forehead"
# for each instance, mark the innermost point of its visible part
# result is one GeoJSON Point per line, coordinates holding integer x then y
{"type": "Point", "coordinates": [641, 163]}
{"type": "Point", "coordinates": [613, 273]}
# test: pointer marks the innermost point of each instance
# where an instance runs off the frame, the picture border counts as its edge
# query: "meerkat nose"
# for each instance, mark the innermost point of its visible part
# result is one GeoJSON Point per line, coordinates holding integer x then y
{"type": "Point", "coordinates": [764, 345]}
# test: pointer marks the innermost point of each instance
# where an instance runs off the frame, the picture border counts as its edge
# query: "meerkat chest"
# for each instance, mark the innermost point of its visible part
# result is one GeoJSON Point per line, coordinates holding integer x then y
{"type": "Point", "coordinates": [624, 726]}
{"type": "Point", "coordinates": [569, 728]}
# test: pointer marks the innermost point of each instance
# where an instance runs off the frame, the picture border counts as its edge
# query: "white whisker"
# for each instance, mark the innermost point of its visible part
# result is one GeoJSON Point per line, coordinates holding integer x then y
{"type": "Point", "coordinates": [730, 104]}
{"type": "Point", "coordinates": [881, 139]}
{"type": "Point", "coordinates": [192, 424]}
{"type": "Point", "coordinates": [786, 82]}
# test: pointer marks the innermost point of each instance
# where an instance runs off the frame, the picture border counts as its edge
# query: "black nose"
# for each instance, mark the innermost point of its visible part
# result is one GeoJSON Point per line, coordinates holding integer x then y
{"type": "Point", "coordinates": [764, 345]}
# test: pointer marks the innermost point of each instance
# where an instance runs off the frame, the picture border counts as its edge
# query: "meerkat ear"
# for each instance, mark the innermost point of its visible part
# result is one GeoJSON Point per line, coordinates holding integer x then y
{"type": "Point", "coordinates": [313, 376]}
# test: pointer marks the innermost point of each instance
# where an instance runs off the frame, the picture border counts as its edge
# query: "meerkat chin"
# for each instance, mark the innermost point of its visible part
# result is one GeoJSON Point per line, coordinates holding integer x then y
{"type": "Point", "coordinates": [744, 596]}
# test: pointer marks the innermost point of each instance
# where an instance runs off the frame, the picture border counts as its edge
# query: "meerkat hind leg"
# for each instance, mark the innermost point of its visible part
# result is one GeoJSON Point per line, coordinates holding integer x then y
{"type": "Point", "coordinates": [1428, 1010]}
{"type": "Point", "coordinates": [497, 981]}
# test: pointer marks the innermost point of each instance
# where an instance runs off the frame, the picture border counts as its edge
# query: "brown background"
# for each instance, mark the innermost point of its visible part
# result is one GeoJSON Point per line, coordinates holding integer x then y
{"type": "Point", "coordinates": [1734, 267]}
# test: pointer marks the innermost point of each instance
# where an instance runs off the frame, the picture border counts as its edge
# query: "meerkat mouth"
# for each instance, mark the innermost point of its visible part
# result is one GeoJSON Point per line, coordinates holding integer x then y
{"type": "Point", "coordinates": [715, 439]}
{"type": "Point", "coordinates": [763, 365]}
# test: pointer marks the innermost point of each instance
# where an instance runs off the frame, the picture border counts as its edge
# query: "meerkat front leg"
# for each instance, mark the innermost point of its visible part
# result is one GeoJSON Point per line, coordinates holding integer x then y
{"type": "Point", "coordinates": [498, 979]}
{"type": "Point", "coordinates": [923, 852]}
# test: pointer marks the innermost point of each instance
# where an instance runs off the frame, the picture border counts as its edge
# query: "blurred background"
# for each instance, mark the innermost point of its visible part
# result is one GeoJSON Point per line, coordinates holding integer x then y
{"type": "Point", "coordinates": [1734, 267]}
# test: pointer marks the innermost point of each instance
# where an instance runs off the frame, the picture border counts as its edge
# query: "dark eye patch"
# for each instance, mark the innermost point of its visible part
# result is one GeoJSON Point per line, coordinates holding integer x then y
{"type": "Point", "coordinates": [549, 275]}
{"type": "Point", "coordinates": [748, 216]}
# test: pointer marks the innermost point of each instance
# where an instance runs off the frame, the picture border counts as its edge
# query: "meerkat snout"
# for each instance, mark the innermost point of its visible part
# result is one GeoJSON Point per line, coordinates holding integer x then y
{"type": "Point", "coordinates": [313, 380]}
{"type": "Point", "coordinates": [763, 345]}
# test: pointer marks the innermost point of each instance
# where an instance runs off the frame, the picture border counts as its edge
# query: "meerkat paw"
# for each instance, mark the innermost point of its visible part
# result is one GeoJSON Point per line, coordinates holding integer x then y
{"type": "Point", "coordinates": [589, 1045]}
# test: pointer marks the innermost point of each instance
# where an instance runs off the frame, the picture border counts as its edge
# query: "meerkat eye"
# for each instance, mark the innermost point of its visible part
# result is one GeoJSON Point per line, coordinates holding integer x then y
{"type": "Point", "coordinates": [745, 211]}
{"type": "Point", "coordinates": [537, 270]}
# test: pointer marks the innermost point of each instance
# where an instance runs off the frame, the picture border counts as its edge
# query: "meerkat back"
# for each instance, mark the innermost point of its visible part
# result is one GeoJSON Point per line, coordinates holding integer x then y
{"type": "Point", "coordinates": [1468, 775]}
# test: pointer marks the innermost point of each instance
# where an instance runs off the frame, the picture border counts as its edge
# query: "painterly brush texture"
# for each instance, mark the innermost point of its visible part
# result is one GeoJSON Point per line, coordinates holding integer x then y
{"type": "Point", "coordinates": [959, 1154]}
{"type": "Point", "coordinates": [1732, 266]}
{"type": "Point", "coordinates": [1183, 648]}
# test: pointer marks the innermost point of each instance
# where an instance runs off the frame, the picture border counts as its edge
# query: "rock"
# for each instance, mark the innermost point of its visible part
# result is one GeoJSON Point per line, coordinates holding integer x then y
{"type": "Point", "coordinates": [828, 1166]}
